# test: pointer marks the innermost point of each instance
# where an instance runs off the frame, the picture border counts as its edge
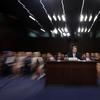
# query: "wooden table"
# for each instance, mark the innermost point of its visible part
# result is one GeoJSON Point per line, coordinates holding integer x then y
{"type": "Point", "coordinates": [71, 73]}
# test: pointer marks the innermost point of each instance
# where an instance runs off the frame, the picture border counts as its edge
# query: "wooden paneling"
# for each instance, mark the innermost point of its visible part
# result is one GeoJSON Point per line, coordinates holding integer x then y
{"type": "Point", "coordinates": [71, 73]}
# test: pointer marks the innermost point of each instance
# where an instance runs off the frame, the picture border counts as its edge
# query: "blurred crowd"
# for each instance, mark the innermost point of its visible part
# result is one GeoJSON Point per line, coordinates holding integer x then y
{"type": "Point", "coordinates": [32, 63]}
{"type": "Point", "coordinates": [64, 57]}
{"type": "Point", "coordinates": [21, 63]}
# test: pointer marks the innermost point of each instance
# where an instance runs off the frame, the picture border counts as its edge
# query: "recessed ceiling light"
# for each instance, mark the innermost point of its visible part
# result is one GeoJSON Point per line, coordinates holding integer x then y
{"type": "Point", "coordinates": [64, 34]}
{"type": "Point", "coordinates": [81, 17]}
{"type": "Point", "coordinates": [62, 29]}
{"type": "Point", "coordinates": [95, 18]}
{"type": "Point", "coordinates": [82, 30]}
{"type": "Point", "coordinates": [90, 18]}
{"type": "Point", "coordinates": [49, 17]}
{"type": "Point", "coordinates": [55, 31]}
{"type": "Point", "coordinates": [86, 29]}
{"type": "Point", "coordinates": [59, 18]}
{"type": "Point", "coordinates": [79, 30]}
{"type": "Point", "coordinates": [59, 30]}
{"type": "Point", "coordinates": [89, 30]}
{"type": "Point", "coordinates": [85, 19]}
{"type": "Point", "coordinates": [63, 18]}
{"type": "Point", "coordinates": [54, 17]}
{"type": "Point", "coordinates": [42, 30]}
{"type": "Point", "coordinates": [68, 34]}
{"type": "Point", "coordinates": [66, 30]}
{"type": "Point", "coordinates": [32, 17]}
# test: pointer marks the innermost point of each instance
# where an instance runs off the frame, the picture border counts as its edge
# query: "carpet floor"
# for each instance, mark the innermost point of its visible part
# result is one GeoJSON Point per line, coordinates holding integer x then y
{"type": "Point", "coordinates": [24, 88]}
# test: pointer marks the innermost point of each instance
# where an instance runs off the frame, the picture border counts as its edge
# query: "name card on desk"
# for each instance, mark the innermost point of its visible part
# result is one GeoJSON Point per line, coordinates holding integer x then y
{"type": "Point", "coordinates": [72, 59]}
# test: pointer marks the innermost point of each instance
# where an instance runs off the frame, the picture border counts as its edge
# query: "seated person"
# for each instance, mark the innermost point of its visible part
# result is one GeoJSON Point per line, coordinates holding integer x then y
{"type": "Point", "coordinates": [9, 63]}
{"type": "Point", "coordinates": [97, 56]}
{"type": "Point", "coordinates": [74, 53]}
{"type": "Point", "coordinates": [60, 56]}
{"type": "Point", "coordinates": [44, 56]}
{"type": "Point", "coordinates": [19, 65]}
{"type": "Point", "coordinates": [92, 56]}
{"type": "Point", "coordinates": [84, 56]}
{"type": "Point", "coordinates": [88, 58]}
{"type": "Point", "coordinates": [37, 66]}
{"type": "Point", "coordinates": [50, 57]}
{"type": "Point", "coordinates": [28, 61]}
{"type": "Point", "coordinates": [1, 63]}
{"type": "Point", "coordinates": [65, 57]}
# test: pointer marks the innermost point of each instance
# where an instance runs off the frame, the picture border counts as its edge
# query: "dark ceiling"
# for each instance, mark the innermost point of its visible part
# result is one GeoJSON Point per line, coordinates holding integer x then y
{"type": "Point", "coordinates": [20, 11]}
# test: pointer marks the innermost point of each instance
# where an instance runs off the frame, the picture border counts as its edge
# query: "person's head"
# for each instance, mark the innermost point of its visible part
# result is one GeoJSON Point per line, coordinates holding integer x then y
{"type": "Point", "coordinates": [49, 55]}
{"type": "Point", "coordinates": [20, 54]}
{"type": "Point", "coordinates": [59, 54]}
{"type": "Point", "coordinates": [83, 55]}
{"type": "Point", "coordinates": [36, 54]}
{"type": "Point", "coordinates": [29, 54]}
{"type": "Point", "coordinates": [92, 54]}
{"type": "Point", "coordinates": [44, 56]}
{"type": "Point", "coordinates": [97, 56]}
{"type": "Point", "coordinates": [74, 49]}
{"type": "Point", "coordinates": [87, 55]}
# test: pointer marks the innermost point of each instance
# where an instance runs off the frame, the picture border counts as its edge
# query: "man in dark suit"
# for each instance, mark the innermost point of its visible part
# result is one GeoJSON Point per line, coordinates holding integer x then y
{"type": "Point", "coordinates": [74, 53]}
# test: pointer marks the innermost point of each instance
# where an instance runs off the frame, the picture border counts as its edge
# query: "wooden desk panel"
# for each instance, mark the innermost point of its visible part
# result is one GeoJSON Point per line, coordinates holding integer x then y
{"type": "Point", "coordinates": [71, 73]}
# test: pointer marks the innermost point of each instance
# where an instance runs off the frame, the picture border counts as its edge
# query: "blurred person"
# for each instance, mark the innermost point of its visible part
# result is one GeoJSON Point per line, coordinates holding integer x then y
{"type": "Point", "coordinates": [88, 58]}
{"type": "Point", "coordinates": [97, 56]}
{"type": "Point", "coordinates": [84, 56]}
{"type": "Point", "coordinates": [60, 56]}
{"type": "Point", "coordinates": [37, 66]}
{"type": "Point", "coordinates": [1, 63]}
{"type": "Point", "coordinates": [44, 56]}
{"type": "Point", "coordinates": [50, 57]}
{"type": "Point", "coordinates": [74, 53]}
{"type": "Point", "coordinates": [28, 63]}
{"type": "Point", "coordinates": [9, 63]}
{"type": "Point", "coordinates": [98, 70]}
{"type": "Point", "coordinates": [92, 56]}
{"type": "Point", "coordinates": [20, 63]}
{"type": "Point", "coordinates": [65, 57]}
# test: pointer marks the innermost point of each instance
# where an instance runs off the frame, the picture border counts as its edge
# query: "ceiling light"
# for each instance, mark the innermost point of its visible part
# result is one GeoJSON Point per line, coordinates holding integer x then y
{"type": "Point", "coordinates": [59, 30]}
{"type": "Point", "coordinates": [54, 17]}
{"type": "Point", "coordinates": [95, 18]}
{"type": "Point", "coordinates": [49, 17]}
{"type": "Point", "coordinates": [64, 34]}
{"type": "Point", "coordinates": [89, 30]}
{"type": "Point", "coordinates": [81, 18]}
{"type": "Point", "coordinates": [62, 29]}
{"type": "Point", "coordinates": [66, 30]}
{"type": "Point", "coordinates": [85, 19]}
{"type": "Point", "coordinates": [42, 30]}
{"type": "Point", "coordinates": [55, 31]}
{"type": "Point", "coordinates": [59, 18]}
{"type": "Point", "coordinates": [82, 30]}
{"type": "Point", "coordinates": [32, 17]}
{"type": "Point", "coordinates": [68, 34]}
{"type": "Point", "coordinates": [86, 29]}
{"type": "Point", "coordinates": [90, 18]}
{"type": "Point", "coordinates": [63, 18]}
{"type": "Point", "coordinates": [79, 30]}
